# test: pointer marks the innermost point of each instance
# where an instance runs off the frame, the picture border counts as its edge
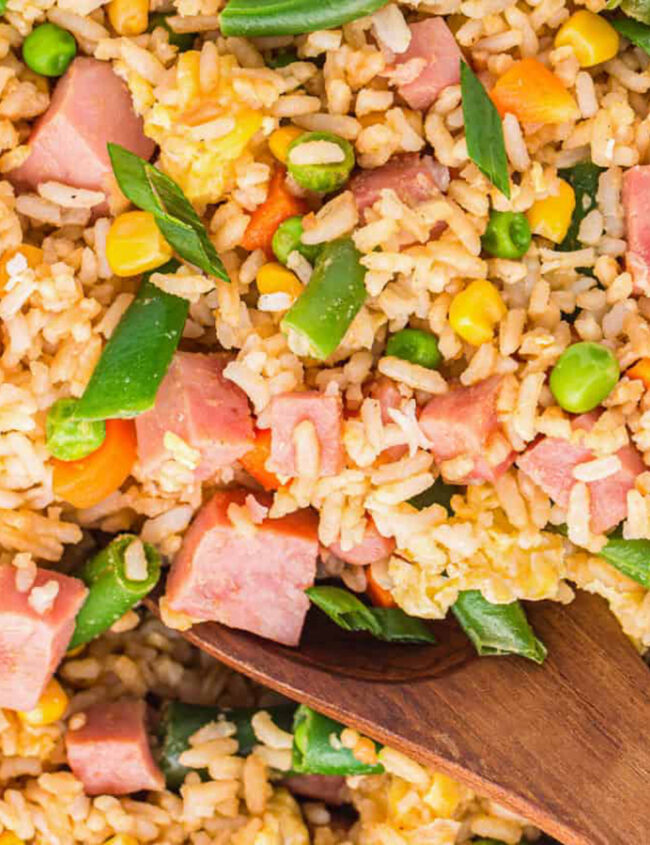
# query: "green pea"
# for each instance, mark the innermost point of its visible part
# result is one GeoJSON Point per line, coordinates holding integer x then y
{"type": "Point", "coordinates": [323, 178]}
{"type": "Point", "coordinates": [48, 50]}
{"type": "Point", "coordinates": [287, 239]}
{"type": "Point", "coordinates": [507, 234]}
{"type": "Point", "coordinates": [183, 40]}
{"type": "Point", "coordinates": [415, 346]}
{"type": "Point", "coordinates": [584, 376]}
{"type": "Point", "coordinates": [69, 439]}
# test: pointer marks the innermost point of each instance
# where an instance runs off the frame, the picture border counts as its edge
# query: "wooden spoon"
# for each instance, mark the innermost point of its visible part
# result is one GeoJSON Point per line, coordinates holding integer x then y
{"type": "Point", "coordinates": [564, 744]}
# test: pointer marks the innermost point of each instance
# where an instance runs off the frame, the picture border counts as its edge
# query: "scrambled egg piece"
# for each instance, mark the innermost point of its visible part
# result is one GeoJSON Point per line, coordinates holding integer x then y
{"type": "Point", "coordinates": [283, 824]}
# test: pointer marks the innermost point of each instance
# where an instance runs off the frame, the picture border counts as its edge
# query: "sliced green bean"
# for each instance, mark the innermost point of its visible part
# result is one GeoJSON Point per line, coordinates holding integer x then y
{"type": "Point", "coordinates": [254, 18]}
{"type": "Point", "coordinates": [318, 750]}
{"type": "Point", "coordinates": [111, 593]}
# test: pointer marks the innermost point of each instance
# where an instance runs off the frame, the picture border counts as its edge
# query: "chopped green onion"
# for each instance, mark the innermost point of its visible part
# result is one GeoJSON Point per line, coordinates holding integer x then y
{"type": "Point", "coordinates": [497, 629]}
{"type": "Point", "coordinates": [152, 190]}
{"type": "Point", "coordinates": [439, 493]}
{"type": "Point", "coordinates": [3, 6]}
{"type": "Point", "coordinates": [282, 58]}
{"type": "Point", "coordinates": [638, 9]}
{"type": "Point", "coordinates": [484, 131]}
{"type": "Point", "coordinates": [318, 750]}
{"type": "Point", "coordinates": [111, 592]}
{"type": "Point", "coordinates": [336, 291]}
{"type": "Point", "coordinates": [183, 40]}
{"type": "Point", "coordinates": [137, 356]}
{"type": "Point", "coordinates": [390, 624]}
{"type": "Point", "coordinates": [255, 18]}
{"type": "Point", "coordinates": [179, 721]}
{"type": "Point", "coordinates": [507, 234]}
{"type": "Point", "coordinates": [287, 239]}
{"type": "Point", "coordinates": [322, 178]}
{"type": "Point", "coordinates": [68, 438]}
{"type": "Point", "coordinates": [583, 178]}
{"type": "Point", "coordinates": [416, 346]}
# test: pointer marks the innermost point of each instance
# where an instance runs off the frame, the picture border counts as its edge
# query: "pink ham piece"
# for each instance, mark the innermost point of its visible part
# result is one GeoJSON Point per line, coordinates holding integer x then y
{"type": "Point", "coordinates": [462, 422]}
{"type": "Point", "coordinates": [32, 643]}
{"type": "Point", "coordinates": [206, 410]}
{"type": "Point", "coordinates": [110, 752]}
{"type": "Point", "coordinates": [288, 410]}
{"type": "Point", "coordinates": [636, 205]}
{"type": "Point", "coordinates": [386, 392]}
{"type": "Point", "coordinates": [253, 581]}
{"type": "Point", "coordinates": [415, 179]}
{"type": "Point", "coordinates": [371, 549]}
{"type": "Point", "coordinates": [91, 106]}
{"type": "Point", "coordinates": [435, 57]}
{"type": "Point", "coordinates": [331, 789]}
{"type": "Point", "coordinates": [550, 463]}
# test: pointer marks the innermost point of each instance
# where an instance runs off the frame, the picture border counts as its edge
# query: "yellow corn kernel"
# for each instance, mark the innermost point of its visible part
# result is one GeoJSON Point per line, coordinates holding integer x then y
{"type": "Point", "coordinates": [134, 244]}
{"type": "Point", "coordinates": [50, 708]}
{"type": "Point", "coordinates": [121, 839]}
{"type": "Point", "coordinates": [551, 217]}
{"type": "Point", "coordinates": [475, 311]}
{"type": "Point", "coordinates": [281, 140]}
{"type": "Point", "coordinates": [443, 796]}
{"type": "Point", "coordinates": [10, 838]}
{"type": "Point", "coordinates": [32, 255]}
{"type": "Point", "coordinates": [129, 17]}
{"type": "Point", "coordinates": [593, 39]}
{"type": "Point", "coordinates": [274, 278]}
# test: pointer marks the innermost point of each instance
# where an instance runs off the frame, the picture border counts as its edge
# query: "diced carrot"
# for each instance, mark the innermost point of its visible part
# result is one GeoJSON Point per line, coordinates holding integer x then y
{"type": "Point", "coordinates": [254, 461]}
{"type": "Point", "coordinates": [90, 480]}
{"type": "Point", "coordinates": [641, 370]}
{"type": "Point", "coordinates": [278, 206]}
{"type": "Point", "coordinates": [33, 255]}
{"type": "Point", "coordinates": [378, 595]}
{"type": "Point", "coordinates": [534, 94]}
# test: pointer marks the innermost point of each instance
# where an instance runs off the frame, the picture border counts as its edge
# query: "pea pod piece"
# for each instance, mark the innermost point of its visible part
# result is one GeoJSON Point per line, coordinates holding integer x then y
{"type": "Point", "coordinates": [416, 346]}
{"type": "Point", "coordinates": [137, 356]}
{"type": "Point", "coordinates": [336, 291]}
{"type": "Point", "coordinates": [326, 177]}
{"type": "Point", "coordinates": [68, 438]}
{"type": "Point", "coordinates": [507, 234]}
{"type": "Point", "coordinates": [111, 593]}
{"type": "Point", "coordinates": [254, 18]}
{"type": "Point", "coordinates": [183, 40]}
{"type": "Point", "coordinates": [317, 747]}
{"type": "Point", "coordinates": [497, 629]}
{"type": "Point", "coordinates": [179, 721]}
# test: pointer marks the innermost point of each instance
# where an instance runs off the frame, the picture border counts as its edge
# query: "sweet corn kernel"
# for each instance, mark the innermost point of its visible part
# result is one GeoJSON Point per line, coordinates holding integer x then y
{"type": "Point", "coordinates": [593, 39]}
{"type": "Point", "coordinates": [121, 839]}
{"type": "Point", "coordinates": [50, 708]}
{"type": "Point", "coordinates": [475, 311]}
{"type": "Point", "coordinates": [443, 796]}
{"type": "Point", "coordinates": [10, 838]}
{"type": "Point", "coordinates": [32, 254]}
{"type": "Point", "coordinates": [274, 278]}
{"type": "Point", "coordinates": [551, 217]}
{"type": "Point", "coordinates": [134, 244]}
{"type": "Point", "coordinates": [281, 140]}
{"type": "Point", "coordinates": [129, 17]}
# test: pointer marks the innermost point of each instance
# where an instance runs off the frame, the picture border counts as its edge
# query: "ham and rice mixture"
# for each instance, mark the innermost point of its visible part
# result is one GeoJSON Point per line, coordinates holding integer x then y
{"type": "Point", "coordinates": [391, 346]}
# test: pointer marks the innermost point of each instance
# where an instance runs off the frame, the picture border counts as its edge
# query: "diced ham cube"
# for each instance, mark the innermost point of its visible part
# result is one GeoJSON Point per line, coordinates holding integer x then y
{"type": "Point", "coordinates": [250, 580]}
{"type": "Point", "coordinates": [636, 205]}
{"type": "Point", "coordinates": [288, 410]}
{"type": "Point", "coordinates": [207, 411]}
{"type": "Point", "coordinates": [435, 57]}
{"type": "Point", "coordinates": [550, 463]}
{"type": "Point", "coordinates": [415, 179]}
{"type": "Point", "coordinates": [91, 107]}
{"type": "Point", "coordinates": [110, 752]}
{"type": "Point", "coordinates": [463, 422]}
{"type": "Point", "coordinates": [32, 643]}
{"type": "Point", "coordinates": [371, 549]}
{"type": "Point", "coordinates": [331, 789]}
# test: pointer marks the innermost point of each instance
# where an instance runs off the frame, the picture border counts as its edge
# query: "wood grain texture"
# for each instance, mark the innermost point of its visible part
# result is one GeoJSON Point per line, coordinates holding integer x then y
{"type": "Point", "coordinates": [564, 744]}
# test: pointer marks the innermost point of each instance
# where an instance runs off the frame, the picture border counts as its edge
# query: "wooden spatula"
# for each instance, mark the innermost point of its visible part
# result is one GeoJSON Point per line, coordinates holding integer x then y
{"type": "Point", "coordinates": [565, 744]}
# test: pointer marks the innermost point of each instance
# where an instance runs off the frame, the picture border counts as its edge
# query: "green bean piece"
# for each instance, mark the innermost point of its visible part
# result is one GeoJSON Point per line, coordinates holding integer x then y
{"type": "Point", "coordinates": [287, 239]}
{"type": "Point", "coordinates": [497, 629]}
{"type": "Point", "coordinates": [416, 346]}
{"type": "Point", "coordinates": [49, 49]}
{"type": "Point", "coordinates": [282, 58]}
{"type": "Point", "coordinates": [70, 439]}
{"type": "Point", "coordinates": [183, 40]}
{"type": "Point", "coordinates": [111, 593]}
{"type": "Point", "coordinates": [179, 721]}
{"type": "Point", "coordinates": [137, 356]}
{"type": "Point", "coordinates": [440, 493]}
{"type": "Point", "coordinates": [322, 178]}
{"type": "Point", "coordinates": [507, 234]}
{"type": "Point", "coordinates": [336, 291]}
{"type": "Point", "coordinates": [317, 747]}
{"type": "Point", "coordinates": [254, 18]}
{"type": "Point", "coordinates": [585, 375]}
